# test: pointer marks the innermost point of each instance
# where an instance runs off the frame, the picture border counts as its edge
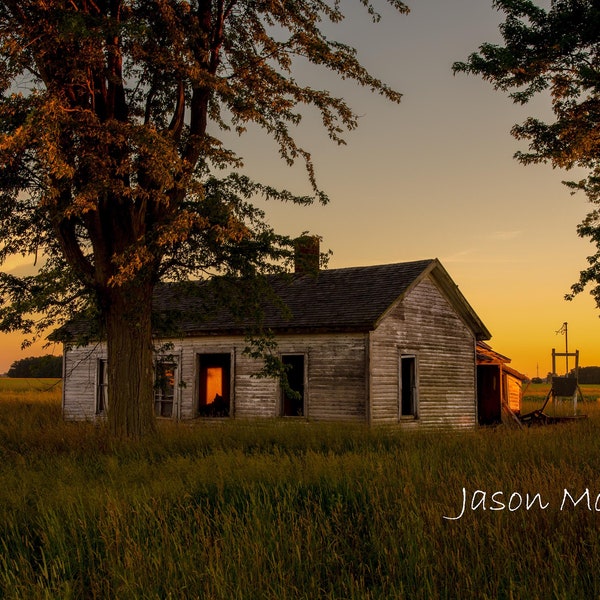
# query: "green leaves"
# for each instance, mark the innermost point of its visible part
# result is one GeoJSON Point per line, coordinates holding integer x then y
{"type": "Point", "coordinates": [106, 157]}
{"type": "Point", "coordinates": [555, 52]}
{"type": "Point", "coordinates": [111, 164]}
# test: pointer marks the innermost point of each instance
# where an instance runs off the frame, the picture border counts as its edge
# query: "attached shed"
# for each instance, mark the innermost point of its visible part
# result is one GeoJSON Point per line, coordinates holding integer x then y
{"type": "Point", "coordinates": [499, 386]}
{"type": "Point", "coordinates": [379, 344]}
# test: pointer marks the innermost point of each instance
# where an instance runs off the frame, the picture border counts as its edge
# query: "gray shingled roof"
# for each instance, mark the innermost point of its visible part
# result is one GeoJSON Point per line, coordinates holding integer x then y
{"type": "Point", "coordinates": [334, 300]}
{"type": "Point", "coordinates": [350, 298]}
{"type": "Point", "coordinates": [346, 299]}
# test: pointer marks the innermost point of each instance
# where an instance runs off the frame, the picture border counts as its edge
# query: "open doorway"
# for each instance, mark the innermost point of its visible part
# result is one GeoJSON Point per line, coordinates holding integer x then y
{"type": "Point", "coordinates": [214, 399]}
{"type": "Point", "coordinates": [292, 399]}
{"type": "Point", "coordinates": [489, 394]}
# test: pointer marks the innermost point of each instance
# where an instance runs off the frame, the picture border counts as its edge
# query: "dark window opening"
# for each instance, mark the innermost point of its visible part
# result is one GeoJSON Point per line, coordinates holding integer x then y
{"type": "Point", "coordinates": [214, 392]}
{"type": "Point", "coordinates": [408, 400]}
{"type": "Point", "coordinates": [293, 393]}
{"type": "Point", "coordinates": [102, 387]}
{"type": "Point", "coordinates": [164, 388]}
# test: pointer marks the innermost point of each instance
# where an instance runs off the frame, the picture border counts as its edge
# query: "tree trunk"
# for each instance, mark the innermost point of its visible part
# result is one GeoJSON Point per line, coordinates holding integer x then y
{"type": "Point", "coordinates": [130, 360]}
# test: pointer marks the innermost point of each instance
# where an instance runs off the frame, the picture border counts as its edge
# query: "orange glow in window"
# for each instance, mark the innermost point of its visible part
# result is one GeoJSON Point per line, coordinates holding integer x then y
{"type": "Point", "coordinates": [214, 383]}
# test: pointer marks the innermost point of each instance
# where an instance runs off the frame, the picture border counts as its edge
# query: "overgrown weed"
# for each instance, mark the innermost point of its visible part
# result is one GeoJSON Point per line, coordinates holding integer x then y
{"type": "Point", "coordinates": [278, 509]}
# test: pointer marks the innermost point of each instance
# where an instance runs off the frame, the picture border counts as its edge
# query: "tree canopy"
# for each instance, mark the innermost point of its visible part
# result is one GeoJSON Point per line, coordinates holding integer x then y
{"type": "Point", "coordinates": [113, 172]}
{"type": "Point", "coordinates": [37, 366]}
{"type": "Point", "coordinates": [587, 375]}
{"type": "Point", "coordinates": [556, 52]}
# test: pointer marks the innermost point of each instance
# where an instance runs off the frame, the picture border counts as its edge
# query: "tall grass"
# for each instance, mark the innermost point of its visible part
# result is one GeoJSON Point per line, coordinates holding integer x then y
{"type": "Point", "coordinates": [273, 509]}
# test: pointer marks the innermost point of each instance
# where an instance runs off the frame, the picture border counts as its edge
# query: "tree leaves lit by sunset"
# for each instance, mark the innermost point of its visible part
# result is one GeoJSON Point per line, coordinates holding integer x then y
{"type": "Point", "coordinates": [554, 52]}
{"type": "Point", "coordinates": [113, 169]}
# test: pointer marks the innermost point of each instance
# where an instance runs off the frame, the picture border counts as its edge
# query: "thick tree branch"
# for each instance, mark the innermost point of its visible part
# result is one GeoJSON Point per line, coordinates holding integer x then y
{"type": "Point", "coordinates": [69, 243]}
{"type": "Point", "coordinates": [178, 120]}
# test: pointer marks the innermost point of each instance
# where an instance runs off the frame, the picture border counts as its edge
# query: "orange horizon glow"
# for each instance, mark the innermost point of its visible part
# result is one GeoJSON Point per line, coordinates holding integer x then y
{"type": "Point", "coordinates": [523, 324]}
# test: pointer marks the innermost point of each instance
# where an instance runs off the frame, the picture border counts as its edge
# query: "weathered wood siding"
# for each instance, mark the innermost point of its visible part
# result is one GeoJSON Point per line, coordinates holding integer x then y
{"type": "Point", "coordinates": [80, 382]}
{"type": "Point", "coordinates": [514, 393]}
{"type": "Point", "coordinates": [424, 324]}
{"type": "Point", "coordinates": [335, 377]}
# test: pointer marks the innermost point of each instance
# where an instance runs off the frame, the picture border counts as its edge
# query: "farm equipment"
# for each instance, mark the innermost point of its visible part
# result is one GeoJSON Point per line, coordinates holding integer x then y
{"type": "Point", "coordinates": [562, 387]}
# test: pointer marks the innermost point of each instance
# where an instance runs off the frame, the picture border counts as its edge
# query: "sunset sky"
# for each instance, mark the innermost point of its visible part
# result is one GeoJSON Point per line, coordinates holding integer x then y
{"type": "Point", "coordinates": [434, 177]}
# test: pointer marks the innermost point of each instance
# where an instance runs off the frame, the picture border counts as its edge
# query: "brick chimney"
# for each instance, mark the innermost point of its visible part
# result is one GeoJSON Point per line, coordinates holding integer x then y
{"type": "Point", "coordinates": [307, 254]}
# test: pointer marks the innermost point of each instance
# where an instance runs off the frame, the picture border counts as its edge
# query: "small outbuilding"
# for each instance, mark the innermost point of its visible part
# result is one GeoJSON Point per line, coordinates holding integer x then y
{"type": "Point", "coordinates": [394, 343]}
{"type": "Point", "coordinates": [499, 387]}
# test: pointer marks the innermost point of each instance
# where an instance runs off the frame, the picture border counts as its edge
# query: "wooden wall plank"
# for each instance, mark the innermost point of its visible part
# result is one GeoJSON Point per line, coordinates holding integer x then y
{"type": "Point", "coordinates": [335, 366]}
{"type": "Point", "coordinates": [349, 376]}
{"type": "Point", "coordinates": [426, 325]}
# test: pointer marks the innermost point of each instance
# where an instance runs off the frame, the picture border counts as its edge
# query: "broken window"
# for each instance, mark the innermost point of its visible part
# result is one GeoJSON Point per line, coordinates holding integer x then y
{"type": "Point", "coordinates": [101, 386]}
{"type": "Point", "coordinates": [292, 394]}
{"type": "Point", "coordinates": [165, 388]}
{"type": "Point", "coordinates": [408, 385]}
{"type": "Point", "coordinates": [214, 385]}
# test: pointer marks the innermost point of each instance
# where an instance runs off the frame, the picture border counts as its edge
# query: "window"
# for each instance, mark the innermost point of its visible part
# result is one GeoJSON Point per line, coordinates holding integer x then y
{"type": "Point", "coordinates": [214, 385]}
{"type": "Point", "coordinates": [408, 385]}
{"type": "Point", "coordinates": [164, 388]}
{"type": "Point", "coordinates": [101, 386]}
{"type": "Point", "coordinates": [292, 395]}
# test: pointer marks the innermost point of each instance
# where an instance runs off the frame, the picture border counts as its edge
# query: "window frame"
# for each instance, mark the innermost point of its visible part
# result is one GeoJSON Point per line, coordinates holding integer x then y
{"type": "Point", "coordinates": [158, 399]}
{"type": "Point", "coordinates": [211, 358]}
{"type": "Point", "coordinates": [303, 391]}
{"type": "Point", "coordinates": [410, 360]}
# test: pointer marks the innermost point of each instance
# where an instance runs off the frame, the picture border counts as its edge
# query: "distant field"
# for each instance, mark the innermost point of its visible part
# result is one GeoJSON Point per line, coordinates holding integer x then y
{"type": "Point", "coordinates": [31, 391]}
{"type": "Point", "coordinates": [535, 394]}
{"type": "Point", "coordinates": [286, 510]}
{"type": "Point", "coordinates": [27, 385]}
{"type": "Point", "coordinates": [535, 391]}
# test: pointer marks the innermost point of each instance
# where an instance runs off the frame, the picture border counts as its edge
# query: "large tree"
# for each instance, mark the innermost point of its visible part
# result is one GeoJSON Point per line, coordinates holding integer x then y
{"type": "Point", "coordinates": [554, 51]}
{"type": "Point", "coordinates": [110, 147]}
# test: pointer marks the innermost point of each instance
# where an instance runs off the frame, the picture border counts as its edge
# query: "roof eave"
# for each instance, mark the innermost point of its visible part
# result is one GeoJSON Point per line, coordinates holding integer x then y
{"type": "Point", "coordinates": [361, 328]}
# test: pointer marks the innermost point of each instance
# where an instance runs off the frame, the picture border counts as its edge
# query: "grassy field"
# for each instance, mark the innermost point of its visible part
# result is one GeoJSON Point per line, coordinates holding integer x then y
{"type": "Point", "coordinates": [287, 510]}
{"type": "Point", "coordinates": [38, 389]}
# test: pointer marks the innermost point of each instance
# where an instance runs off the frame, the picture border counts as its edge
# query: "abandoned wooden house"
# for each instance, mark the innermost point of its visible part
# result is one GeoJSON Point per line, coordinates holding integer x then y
{"type": "Point", "coordinates": [499, 387]}
{"type": "Point", "coordinates": [391, 343]}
